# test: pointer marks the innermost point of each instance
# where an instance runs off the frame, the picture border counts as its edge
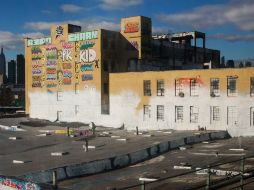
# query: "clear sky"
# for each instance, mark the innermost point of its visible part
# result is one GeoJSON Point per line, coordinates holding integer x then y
{"type": "Point", "coordinates": [229, 24]}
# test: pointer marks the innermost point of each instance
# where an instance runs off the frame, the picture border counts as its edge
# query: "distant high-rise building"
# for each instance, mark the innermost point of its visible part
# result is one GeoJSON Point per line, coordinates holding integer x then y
{"type": "Point", "coordinates": [12, 72]}
{"type": "Point", "coordinates": [3, 66]}
{"type": "Point", "coordinates": [20, 69]}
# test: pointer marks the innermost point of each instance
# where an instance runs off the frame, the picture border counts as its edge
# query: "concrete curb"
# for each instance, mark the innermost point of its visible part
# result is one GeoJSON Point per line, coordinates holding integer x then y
{"type": "Point", "coordinates": [106, 164]}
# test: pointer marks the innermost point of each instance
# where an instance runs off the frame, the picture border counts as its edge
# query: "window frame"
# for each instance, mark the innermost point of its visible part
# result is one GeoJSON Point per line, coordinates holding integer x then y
{"type": "Point", "coordinates": [160, 87]}
{"type": "Point", "coordinates": [214, 87]}
{"type": "Point", "coordinates": [147, 88]}
{"type": "Point", "coordinates": [232, 92]}
{"type": "Point", "coordinates": [160, 112]}
{"type": "Point", "coordinates": [179, 112]}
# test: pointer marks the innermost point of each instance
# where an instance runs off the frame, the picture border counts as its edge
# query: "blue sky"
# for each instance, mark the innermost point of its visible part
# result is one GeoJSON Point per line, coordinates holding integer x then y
{"type": "Point", "coordinates": [229, 24]}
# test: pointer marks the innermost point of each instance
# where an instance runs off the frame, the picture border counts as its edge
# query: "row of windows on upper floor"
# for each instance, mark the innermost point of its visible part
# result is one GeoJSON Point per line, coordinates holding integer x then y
{"type": "Point", "coordinates": [215, 114]}
{"type": "Point", "coordinates": [194, 84]}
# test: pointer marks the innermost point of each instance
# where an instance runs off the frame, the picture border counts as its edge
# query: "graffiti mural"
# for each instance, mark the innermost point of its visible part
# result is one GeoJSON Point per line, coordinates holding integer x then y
{"type": "Point", "coordinates": [7, 183]}
{"type": "Point", "coordinates": [37, 71]}
{"type": "Point", "coordinates": [131, 27]}
{"type": "Point", "coordinates": [36, 53]}
{"type": "Point", "coordinates": [66, 45]}
{"type": "Point", "coordinates": [59, 31]}
{"type": "Point", "coordinates": [86, 67]}
{"type": "Point", "coordinates": [86, 77]}
{"type": "Point", "coordinates": [186, 80]}
{"type": "Point", "coordinates": [87, 45]}
{"type": "Point", "coordinates": [67, 75]}
{"type": "Point", "coordinates": [67, 65]}
{"type": "Point", "coordinates": [51, 52]}
{"type": "Point", "coordinates": [87, 56]}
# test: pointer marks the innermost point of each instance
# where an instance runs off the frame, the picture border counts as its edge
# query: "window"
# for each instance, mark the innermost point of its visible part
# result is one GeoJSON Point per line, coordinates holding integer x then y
{"type": "Point", "coordinates": [160, 87]}
{"type": "Point", "coordinates": [232, 86]}
{"type": "Point", "coordinates": [160, 113]}
{"type": "Point", "coordinates": [179, 88]}
{"type": "Point", "coordinates": [215, 87]}
{"type": "Point", "coordinates": [252, 116]}
{"type": "Point", "coordinates": [147, 112]}
{"type": "Point", "coordinates": [215, 114]}
{"type": "Point", "coordinates": [194, 111]}
{"type": "Point", "coordinates": [252, 86]}
{"type": "Point", "coordinates": [76, 88]}
{"type": "Point", "coordinates": [194, 87]}
{"type": "Point", "coordinates": [147, 88]}
{"type": "Point", "coordinates": [179, 114]}
{"type": "Point", "coordinates": [76, 109]}
{"type": "Point", "coordinates": [232, 118]}
{"type": "Point", "coordinates": [59, 96]}
{"type": "Point", "coordinates": [105, 88]}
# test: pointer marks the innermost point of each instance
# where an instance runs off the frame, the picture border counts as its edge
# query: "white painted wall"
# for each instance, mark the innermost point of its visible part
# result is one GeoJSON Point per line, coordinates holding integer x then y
{"type": "Point", "coordinates": [123, 110]}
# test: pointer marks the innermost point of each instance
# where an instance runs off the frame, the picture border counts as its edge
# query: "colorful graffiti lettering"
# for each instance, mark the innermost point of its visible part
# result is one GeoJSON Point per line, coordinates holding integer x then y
{"type": "Point", "coordinates": [86, 77]}
{"type": "Point", "coordinates": [67, 66]}
{"type": "Point", "coordinates": [36, 57]}
{"type": "Point", "coordinates": [51, 63]}
{"type": "Point", "coordinates": [186, 80]}
{"type": "Point", "coordinates": [87, 45]}
{"type": "Point", "coordinates": [36, 66]}
{"type": "Point", "coordinates": [87, 67]}
{"type": "Point", "coordinates": [67, 74]}
{"type": "Point", "coordinates": [66, 45]}
{"type": "Point", "coordinates": [36, 78]}
{"type": "Point", "coordinates": [77, 67]}
{"type": "Point", "coordinates": [66, 80]}
{"type": "Point", "coordinates": [36, 84]}
{"type": "Point", "coordinates": [37, 42]}
{"type": "Point", "coordinates": [17, 184]}
{"type": "Point", "coordinates": [51, 77]}
{"type": "Point", "coordinates": [131, 27]}
{"type": "Point", "coordinates": [51, 47]}
{"type": "Point", "coordinates": [87, 56]}
{"type": "Point", "coordinates": [36, 71]}
{"type": "Point", "coordinates": [83, 36]}
{"type": "Point", "coordinates": [51, 71]}
{"type": "Point", "coordinates": [59, 31]}
{"type": "Point", "coordinates": [135, 44]}
{"type": "Point", "coordinates": [51, 85]}
{"type": "Point", "coordinates": [66, 55]}
{"type": "Point", "coordinates": [36, 50]}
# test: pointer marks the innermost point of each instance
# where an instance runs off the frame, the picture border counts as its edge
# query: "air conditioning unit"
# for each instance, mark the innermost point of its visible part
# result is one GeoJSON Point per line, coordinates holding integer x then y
{"type": "Point", "coordinates": [181, 94]}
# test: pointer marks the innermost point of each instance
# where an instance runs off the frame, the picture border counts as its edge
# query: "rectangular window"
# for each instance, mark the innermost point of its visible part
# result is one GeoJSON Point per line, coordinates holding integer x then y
{"type": "Point", "coordinates": [76, 109]}
{"type": "Point", "coordinates": [76, 88]}
{"type": "Point", "coordinates": [215, 114]}
{"type": "Point", "coordinates": [194, 111]}
{"type": "Point", "coordinates": [232, 118]}
{"type": "Point", "coordinates": [194, 87]}
{"type": "Point", "coordinates": [215, 87]}
{"type": "Point", "coordinates": [160, 113]}
{"type": "Point", "coordinates": [147, 88]}
{"type": "Point", "coordinates": [232, 85]}
{"type": "Point", "coordinates": [179, 88]}
{"type": "Point", "coordinates": [59, 96]}
{"type": "Point", "coordinates": [252, 86]}
{"type": "Point", "coordinates": [147, 112]}
{"type": "Point", "coordinates": [252, 116]}
{"type": "Point", "coordinates": [179, 114]}
{"type": "Point", "coordinates": [105, 88]}
{"type": "Point", "coordinates": [160, 87]}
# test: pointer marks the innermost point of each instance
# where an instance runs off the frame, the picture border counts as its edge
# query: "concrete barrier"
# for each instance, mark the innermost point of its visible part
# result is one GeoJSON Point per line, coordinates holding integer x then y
{"type": "Point", "coordinates": [139, 156]}
{"type": "Point", "coordinates": [88, 168]}
{"type": "Point", "coordinates": [107, 164]}
{"type": "Point", "coordinates": [121, 161]}
{"type": "Point", "coordinates": [45, 176]}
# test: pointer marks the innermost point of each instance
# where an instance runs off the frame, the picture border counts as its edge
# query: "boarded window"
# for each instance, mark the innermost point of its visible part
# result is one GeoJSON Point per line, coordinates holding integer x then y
{"type": "Point", "coordinates": [215, 87]}
{"type": "Point", "coordinates": [147, 88]}
{"type": "Point", "coordinates": [179, 114]}
{"type": "Point", "coordinates": [232, 86]}
{"type": "Point", "coordinates": [232, 116]}
{"type": "Point", "coordinates": [160, 113]}
{"type": "Point", "coordinates": [147, 112]}
{"type": "Point", "coordinates": [59, 96]}
{"type": "Point", "coordinates": [179, 88]}
{"type": "Point", "coordinates": [194, 112]}
{"type": "Point", "coordinates": [215, 114]}
{"type": "Point", "coordinates": [194, 87]}
{"type": "Point", "coordinates": [160, 87]}
{"type": "Point", "coordinates": [252, 86]}
{"type": "Point", "coordinates": [252, 116]}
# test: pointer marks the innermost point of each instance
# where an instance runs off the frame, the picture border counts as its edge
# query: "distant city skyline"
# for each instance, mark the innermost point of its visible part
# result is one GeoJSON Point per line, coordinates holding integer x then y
{"type": "Point", "coordinates": [229, 24]}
